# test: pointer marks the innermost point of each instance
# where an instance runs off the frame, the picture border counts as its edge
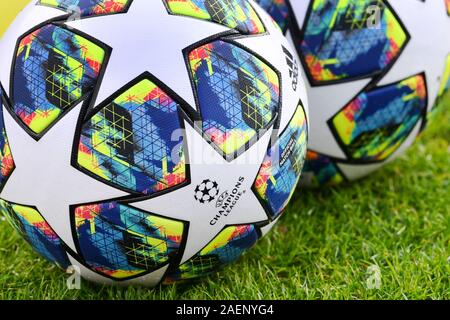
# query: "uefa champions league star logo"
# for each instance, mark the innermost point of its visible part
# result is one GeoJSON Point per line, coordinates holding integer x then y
{"type": "Point", "coordinates": [206, 191]}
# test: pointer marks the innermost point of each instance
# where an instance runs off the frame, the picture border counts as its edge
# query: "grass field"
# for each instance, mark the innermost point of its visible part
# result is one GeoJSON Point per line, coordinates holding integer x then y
{"type": "Point", "coordinates": [327, 246]}
{"type": "Point", "coordinates": [324, 247]}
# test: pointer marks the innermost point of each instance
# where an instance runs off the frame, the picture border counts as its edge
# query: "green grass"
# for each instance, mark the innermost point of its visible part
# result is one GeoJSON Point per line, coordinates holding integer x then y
{"type": "Point", "coordinates": [397, 219]}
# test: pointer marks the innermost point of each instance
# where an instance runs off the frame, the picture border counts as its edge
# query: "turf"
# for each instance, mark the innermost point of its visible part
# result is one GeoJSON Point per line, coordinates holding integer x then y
{"type": "Point", "coordinates": [396, 221]}
{"type": "Point", "coordinates": [325, 247]}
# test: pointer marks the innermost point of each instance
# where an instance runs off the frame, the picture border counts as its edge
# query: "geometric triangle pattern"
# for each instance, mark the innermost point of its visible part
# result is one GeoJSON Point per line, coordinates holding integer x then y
{"type": "Point", "coordinates": [278, 10]}
{"type": "Point", "coordinates": [36, 231]}
{"type": "Point", "coordinates": [234, 14]}
{"type": "Point", "coordinates": [6, 159]}
{"type": "Point", "coordinates": [238, 95]}
{"type": "Point", "coordinates": [345, 40]}
{"type": "Point", "coordinates": [376, 123]}
{"type": "Point", "coordinates": [225, 248]}
{"type": "Point", "coordinates": [282, 166]}
{"type": "Point", "coordinates": [122, 242]}
{"type": "Point", "coordinates": [86, 8]}
{"type": "Point", "coordinates": [53, 70]}
{"type": "Point", "coordinates": [129, 142]}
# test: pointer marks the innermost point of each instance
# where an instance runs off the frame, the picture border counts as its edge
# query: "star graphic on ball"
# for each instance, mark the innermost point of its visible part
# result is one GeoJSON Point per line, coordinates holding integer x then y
{"type": "Point", "coordinates": [206, 191]}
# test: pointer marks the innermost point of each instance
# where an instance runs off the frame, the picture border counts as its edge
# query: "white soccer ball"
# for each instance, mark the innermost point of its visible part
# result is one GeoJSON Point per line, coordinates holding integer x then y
{"type": "Point", "coordinates": [148, 141]}
{"type": "Point", "coordinates": [374, 70]}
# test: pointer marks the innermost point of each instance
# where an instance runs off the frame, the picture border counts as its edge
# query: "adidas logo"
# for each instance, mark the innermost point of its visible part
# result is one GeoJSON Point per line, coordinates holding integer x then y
{"type": "Point", "coordinates": [293, 67]}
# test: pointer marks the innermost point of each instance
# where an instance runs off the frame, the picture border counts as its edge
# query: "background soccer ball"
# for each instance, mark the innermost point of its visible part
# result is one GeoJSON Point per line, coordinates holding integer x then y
{"type": "Point", "coordinates": [374, 70]}
{"type": "Point", "coordinates": [147, 141]}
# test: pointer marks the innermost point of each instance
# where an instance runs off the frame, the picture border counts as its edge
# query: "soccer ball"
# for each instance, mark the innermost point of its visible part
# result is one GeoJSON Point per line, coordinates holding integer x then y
{"type": "Point", "coordinates": [148, 141]}
{"type": "Point", "coordinates": [375, 69]}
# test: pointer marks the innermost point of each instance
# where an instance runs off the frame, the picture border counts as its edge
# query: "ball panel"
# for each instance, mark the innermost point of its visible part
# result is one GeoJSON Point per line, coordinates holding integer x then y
{"type": "Point", "coordinates": [376, 123]}
{"type": "Point", "coordinates": [281, 169]}
{"type": "Point", "coordinates": [340, 42]}
{"type": "Point", "coordinates": [235, 14]}
{"type": "Point", "coordinates": [225, 248]}
{"type": "Point", "coordinates": [443, 98]}
{"type": "Point", "coordinates": [278, 10]}
{"type": "Point", "coordinates": [88, 8]}
{"type": "Point", "coordinates": [30, 17]}
{"type": "Point", "coordinates": [129, 142]}
{"type": "Point", "coordinates": [6, 159]}
{"type": "Point", "coordinates": [36, 231]}
{"type": "Point", "coordinates": [238, 95]}
{"type": "Point", "coordinates": [54, 69]}
{"type": "Point", "coordinates": [320, 170]}
{"type": "Point", "coordinates": [120, 242]}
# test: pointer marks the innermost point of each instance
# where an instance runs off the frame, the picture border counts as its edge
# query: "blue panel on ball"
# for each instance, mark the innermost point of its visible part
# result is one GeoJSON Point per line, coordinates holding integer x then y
{"type": "Point", "coordinates": [278, 10]}
{"type": "Point", "coordinates": [238, 95]}
{"type": "Point", "coordinates": [38, 233]}
{"type": "Point", "coordinates": [377, 122]}
{"type": "Point", "coordinates": [54, 69]}
{"type": "Point", "coordinates": [129, 143]}
{"type": "Point", "coordinates": [281, 169]}
{"type": "Point", "coordinates": [345, 40]}
{"type": "Point", "coordinates": [121, 242]}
